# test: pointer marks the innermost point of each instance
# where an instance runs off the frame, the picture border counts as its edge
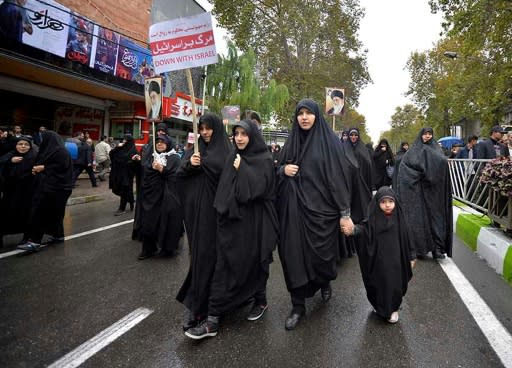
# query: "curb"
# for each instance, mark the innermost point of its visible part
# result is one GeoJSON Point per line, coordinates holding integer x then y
{"type": "Point", "coordinates": [488, 242]}
{"type": "Point", "coordinates": [85, 199]}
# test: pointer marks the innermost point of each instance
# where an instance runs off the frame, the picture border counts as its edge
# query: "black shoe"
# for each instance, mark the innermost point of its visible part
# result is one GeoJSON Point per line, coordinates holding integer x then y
{"type": "Point", "coordinates": [421, 256]}
{"type": "Point", "coordinates": [95, 185]}
{"type": "Point", "coordinates": [438, 255]}
{"type": "Point", "coordinates": [54, 240]}
{"type": "Point", "coordinates": [208, 328]}
{"type": "Point", "coordinates": [326, 293]}
{"type": "Point", "coordinates": [292, 320]}
{"type": "Point", "coordinates": [144, 255]}
{"type": "Point", "coordinates": [257, 311]}
{"type": "Point", "coordinates": [119, 212]}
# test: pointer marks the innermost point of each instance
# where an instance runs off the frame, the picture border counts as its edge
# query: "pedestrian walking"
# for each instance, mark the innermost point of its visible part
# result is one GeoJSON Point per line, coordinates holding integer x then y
{"type": "Point", "coordinates": [125, 161]}
{"type": "Point", "coordinates": [53, 172]}
{"type": "Point", "coordinates": [197, 184]}
{"type": "Point", "coordinates": [313, 201]}
{"type": "Point", "coordinates": [102, 156]}
{"type": "Point", "coordinates": [16, 202]}
{"type": "Point", "coordinates": [161, 215]}
{"type": "Point", "coordinates": [247, 230]}
{"type": "Point", "coordinates": [386, 254]}
{"type": "Point", "coordinates": [425, 192]}
{"type": "Point", "coordinates": [383, 163]}
{"type": "Point", "coordinates": [84, 160]}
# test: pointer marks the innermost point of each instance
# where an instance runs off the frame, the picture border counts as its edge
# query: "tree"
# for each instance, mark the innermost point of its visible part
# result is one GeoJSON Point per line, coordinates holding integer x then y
{"type": "Point", "coordinates": [405, 124]}
{"type": "Point", "coordinates": [232, 81]}
{"type": "Point", "coordinates": [308, 45]}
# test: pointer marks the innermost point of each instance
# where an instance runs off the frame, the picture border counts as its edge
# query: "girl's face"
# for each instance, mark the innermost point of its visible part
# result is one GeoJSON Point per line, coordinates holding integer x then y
{"type": "Point", "coordinates": [426, 137]}
{"type": "Point", "coordinates": [22, 147]}
{"type": "Point", "coordinates": [306, 118]}
{"type": "Point", "coordinates": [161, 146]}
{"type": "Point", "coordinates": [387, 205]}
{"type": "Point", "coordinates": [206, 132]}
{"type": "Point", "coordinates": [241, 138]}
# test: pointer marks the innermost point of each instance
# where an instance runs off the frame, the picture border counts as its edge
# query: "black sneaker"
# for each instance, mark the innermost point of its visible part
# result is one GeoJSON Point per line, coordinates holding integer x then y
{"type": "Point", "coordinates": [256, 312]}
{"type": "Point", "coordinates": [208, 328]}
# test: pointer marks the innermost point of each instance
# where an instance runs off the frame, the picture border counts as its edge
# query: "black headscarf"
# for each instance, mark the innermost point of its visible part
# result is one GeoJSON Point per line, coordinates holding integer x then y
{"type": "Point", "coordinates": [23, 168]}
{"type": "Point", "coordinates": [384, 254]}
{"type": "Point", "coordinates": [58, 167]}
{"type": "Point", "coordinates": [424, 189]}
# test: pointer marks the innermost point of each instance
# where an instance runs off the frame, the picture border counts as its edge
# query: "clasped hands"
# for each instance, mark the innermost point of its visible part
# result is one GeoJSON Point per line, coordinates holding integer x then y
{"type": "Point", "coordinates": [347, 226]}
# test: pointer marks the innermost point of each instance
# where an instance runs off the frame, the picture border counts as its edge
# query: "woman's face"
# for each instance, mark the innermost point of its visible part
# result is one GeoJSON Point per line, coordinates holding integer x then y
{"type": "Point", "coordinates": [161, 146]}
{"type": "Point", "coordinates": [306, 118]}
{"type": "Point", "coordinates": [387, 205]}
{"type": "Point", "coordinates": [241, 138]}
{"type": "Point", "coordinates": [426, 136]}
{"type": "Point", "coordinates": [22, 147]}
{"type": "Point", "coordinates": [205, 132]}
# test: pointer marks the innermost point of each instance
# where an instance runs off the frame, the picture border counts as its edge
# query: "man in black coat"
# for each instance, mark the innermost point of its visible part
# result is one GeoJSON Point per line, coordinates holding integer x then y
{"type": "Point", "coordinates": [492, 148]}
{"type": "Point", "coordinates": [84, 160]}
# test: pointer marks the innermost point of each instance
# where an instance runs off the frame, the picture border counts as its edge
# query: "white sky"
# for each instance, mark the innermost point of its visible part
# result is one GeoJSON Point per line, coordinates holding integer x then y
{"type": "Point", "coordinates": [391, 30]}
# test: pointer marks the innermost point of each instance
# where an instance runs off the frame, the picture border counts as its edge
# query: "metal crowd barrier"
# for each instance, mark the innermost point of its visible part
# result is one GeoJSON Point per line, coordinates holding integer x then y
{"type": "Point", "coordinates": [466, 185]}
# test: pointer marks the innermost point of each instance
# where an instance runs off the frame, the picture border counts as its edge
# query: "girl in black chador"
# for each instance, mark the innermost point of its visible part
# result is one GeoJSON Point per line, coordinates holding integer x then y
{"type": "Point", "coordinates": [198, 178]}
{"type": "Point", "coordinates": [125, 162]}
{"type": "Point", "coordinates": [53, 170]}
{"type": "Point", "coordinates": [161, 216]}
{"type": "Point", "coordinates": [247, 230]}
{"type": "Point", "coordinates": [16, 169]}
{"type": "Point", "coordinates": [385, 253]}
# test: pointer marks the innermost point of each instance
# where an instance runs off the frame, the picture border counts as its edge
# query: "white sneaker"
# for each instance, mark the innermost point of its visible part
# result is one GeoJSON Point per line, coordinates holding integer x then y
{"type": "Point", "coordinates": [393, 318]}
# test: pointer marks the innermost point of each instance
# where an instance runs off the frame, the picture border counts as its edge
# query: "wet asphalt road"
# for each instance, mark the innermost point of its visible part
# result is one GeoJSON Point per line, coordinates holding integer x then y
{"type": "Point", "coordinates": [56, 299]}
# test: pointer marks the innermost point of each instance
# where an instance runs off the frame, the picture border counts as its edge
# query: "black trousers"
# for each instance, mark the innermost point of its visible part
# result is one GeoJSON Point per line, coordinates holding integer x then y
{"type": "Point", "coordinates": [126, 197]}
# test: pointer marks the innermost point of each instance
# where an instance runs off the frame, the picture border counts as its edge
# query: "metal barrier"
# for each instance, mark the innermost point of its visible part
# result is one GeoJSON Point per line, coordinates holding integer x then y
{"type": "Point", "coordinates": [466, 185]}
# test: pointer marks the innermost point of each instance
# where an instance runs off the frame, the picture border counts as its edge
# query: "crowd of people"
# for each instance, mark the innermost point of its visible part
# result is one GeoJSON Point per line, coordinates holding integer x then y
{"type": "Point", "coordinates": [316, 200]}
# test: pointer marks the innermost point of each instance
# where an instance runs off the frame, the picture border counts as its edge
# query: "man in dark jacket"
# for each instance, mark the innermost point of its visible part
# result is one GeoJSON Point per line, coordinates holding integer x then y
{"type": "Point", "coordinates": [83, 161]}
{"type": "Point", "coordinates": [492, 148]}
{"type": "Point", "coordinates": [470, 150]}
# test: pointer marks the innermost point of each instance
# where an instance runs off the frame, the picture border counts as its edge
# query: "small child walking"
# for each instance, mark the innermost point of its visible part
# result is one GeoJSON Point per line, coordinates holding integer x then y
{"type": "Point", "coordinates": [386, 255]}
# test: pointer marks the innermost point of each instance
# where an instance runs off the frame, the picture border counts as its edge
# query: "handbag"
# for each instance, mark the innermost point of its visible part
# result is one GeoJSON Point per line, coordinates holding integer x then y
{"type": "Point", "coordinates": [390, 169]}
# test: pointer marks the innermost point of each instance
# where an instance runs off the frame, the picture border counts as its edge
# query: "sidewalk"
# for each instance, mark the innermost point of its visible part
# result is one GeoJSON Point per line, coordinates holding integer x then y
{"type": "Point", "coordinates": [85, 193]}
{"type": "Point", "coordinates": [490, 243]}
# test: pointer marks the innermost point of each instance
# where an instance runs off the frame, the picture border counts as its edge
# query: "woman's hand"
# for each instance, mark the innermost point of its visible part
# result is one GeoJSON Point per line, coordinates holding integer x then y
{"type": "Point", "coordinates": [37, 169]}
{"type": "Point", "coordinates": [157, 166]}
{"type": "Point", "coordinates": [237, 161]}
{"type": "Point", "coordinates": [291, 170]}
{"type": "Point", "coordinates": [195, 159]}
{"type": "Point", "coordinates": [16, 159]}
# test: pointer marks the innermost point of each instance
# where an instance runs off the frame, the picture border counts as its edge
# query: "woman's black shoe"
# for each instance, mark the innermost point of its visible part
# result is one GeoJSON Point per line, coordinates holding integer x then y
{"type": "Point", "coordinates": [326, 293]}
{"type": "Point", "coordinates": [292, 320]}
{"type": "Point", "coordinates": [144, 255]}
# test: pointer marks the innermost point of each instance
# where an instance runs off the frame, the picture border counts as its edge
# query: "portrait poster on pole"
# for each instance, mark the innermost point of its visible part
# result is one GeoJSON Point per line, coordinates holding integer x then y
{"type": "Point", "coordinates": [154, 98]}
{"type": "Point", "coordinates": [334, 100]}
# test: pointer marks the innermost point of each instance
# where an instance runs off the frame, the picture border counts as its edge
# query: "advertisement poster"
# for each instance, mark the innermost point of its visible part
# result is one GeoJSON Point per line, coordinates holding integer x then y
{"type": "Point", "coordinates": [183, 43]}
{"type": "Point", "coordinates": [133, 62]}
{"type": "Point", "coordinates": [79, 40]}
{"type": "Point", "coordinates": [154, 98]}
{"type": "Point", "coordinates": [105, 45]}
{"type": "Point", "coordinates": [44, 26]}
{"type": "Point", "coordinates": [334, 100]}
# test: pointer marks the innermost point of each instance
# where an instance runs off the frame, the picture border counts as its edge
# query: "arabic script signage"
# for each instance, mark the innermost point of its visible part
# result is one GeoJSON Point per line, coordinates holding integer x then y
{"type": "Point", "coordinates": [183, 43]}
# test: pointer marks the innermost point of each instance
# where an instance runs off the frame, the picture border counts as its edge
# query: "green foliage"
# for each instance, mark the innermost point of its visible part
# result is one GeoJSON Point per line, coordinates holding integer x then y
{"type": "Point", "coordinates": [406, 122]}
{"type": "Point", "coordinates": [308, 45]}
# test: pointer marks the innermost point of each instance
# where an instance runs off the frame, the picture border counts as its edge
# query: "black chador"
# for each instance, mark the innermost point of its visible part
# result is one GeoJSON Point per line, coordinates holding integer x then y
{"type": "Point", "coordinates": [197, 186]}
{"type": "Point", "coordinates": [424, 190]}
{"type": "Point", "coordinates": [310, 203]}
{"type": "Point", "coordinates": [16, 202]}
{"type": "Point", "coordinates": [160, 213]}
{"type": "Point", "coordinates": [247, 219]}
{"type": "Point", "coordinates": [384, 252]}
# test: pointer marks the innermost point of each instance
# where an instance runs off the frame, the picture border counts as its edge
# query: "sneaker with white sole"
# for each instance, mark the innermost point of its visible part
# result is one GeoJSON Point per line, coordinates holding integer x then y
{"type": "Point", "coordinates": [393, 318]}
{"type": "Point", "coordinates": [208, 328]}
{"type": "Point", "coordinates": [30, 246]}
{"type": "Point", "coordinates": [256, 312]}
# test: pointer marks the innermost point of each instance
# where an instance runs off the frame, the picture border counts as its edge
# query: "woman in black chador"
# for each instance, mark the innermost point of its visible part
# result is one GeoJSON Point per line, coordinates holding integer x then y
{"type": "Point", "coordinates": [16, 169]}
{"type": "Point", "coordinates": [313, 201]}
{"type": "Point", "coordinates": [53, 172]}
{"type": "Point", "coordinates": [160, 214]}
{"type": "Point", "coordinates": [385, 253]}
{"type": "Point", "coordinates": [198, 178]}
{"type": "Point", "coordinates": [125, 162]}
{"type": "Point", "coordinates": [382, 157]}
{"type": "Point", "coordinates": [247, 230]}
{"type": "Point", "coordinates": [424, 190]}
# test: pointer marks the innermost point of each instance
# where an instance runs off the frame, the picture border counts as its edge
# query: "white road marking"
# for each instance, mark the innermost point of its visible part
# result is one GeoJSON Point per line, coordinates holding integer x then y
{"type": "Point", "coordinates": [499, 338]}
{"type": "Point", "coordinates": [98, 342]}
{"type": "Point", "coordinates": [18, 251]}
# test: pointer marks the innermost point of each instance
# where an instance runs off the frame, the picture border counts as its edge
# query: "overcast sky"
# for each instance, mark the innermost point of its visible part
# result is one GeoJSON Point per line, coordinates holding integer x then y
{"type": "Point", "coordinates": [390, 30]}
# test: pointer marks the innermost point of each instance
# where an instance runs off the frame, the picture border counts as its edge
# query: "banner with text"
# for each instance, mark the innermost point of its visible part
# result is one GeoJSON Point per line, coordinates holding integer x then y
{"type": "Point", "coordinates": [183, 43]}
